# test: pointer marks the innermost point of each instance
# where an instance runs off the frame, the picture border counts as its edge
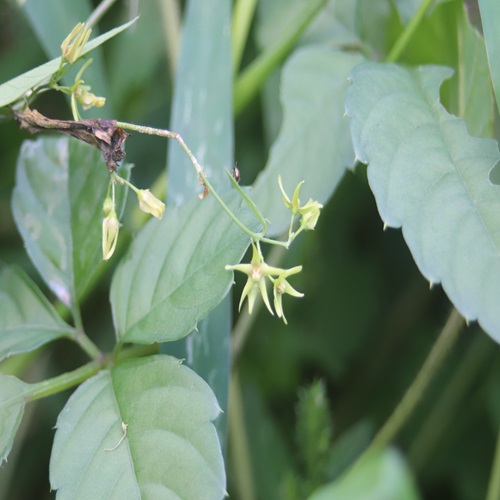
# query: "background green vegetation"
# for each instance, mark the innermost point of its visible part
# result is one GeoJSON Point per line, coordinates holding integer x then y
{"type": "Point", "coordinates": [367, 320]}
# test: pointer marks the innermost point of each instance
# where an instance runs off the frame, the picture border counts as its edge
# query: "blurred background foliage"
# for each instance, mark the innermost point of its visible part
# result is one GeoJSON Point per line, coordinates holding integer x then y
{"type": "Point", "coordinates": [313, 392]}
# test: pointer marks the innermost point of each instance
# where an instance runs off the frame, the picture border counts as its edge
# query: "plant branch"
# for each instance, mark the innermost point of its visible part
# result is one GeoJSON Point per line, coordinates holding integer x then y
{"type": "Point", "coordinates": [427, 438]}
{"type": "Point", "coordinates": [415, 392]}
{"type": "Point", "coordinates": [99, 12]}
{"type": "Point", "coordinates": [171, 17]}
{"type": "Point", "coordinates": [494, 484]}
{"type": "Point", "coordinates": [243, 13]}
{"type": "Point", "coordinates": [64, 381]}
{"type": "Point", "coordinates": [199, 169]}
{"type": "Point", "coordinates": [81, 338]}
{"type": "Point", "coordinates": [252, 78]}
{"type": "Point", "coordinates": [238, 438]}
{"type": "Point", "coordinates": [411, 27]}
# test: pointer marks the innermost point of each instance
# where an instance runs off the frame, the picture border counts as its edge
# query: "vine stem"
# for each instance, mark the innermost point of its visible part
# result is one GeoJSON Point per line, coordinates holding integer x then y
{"type": "Point", "coordinates": [415, 392]}
{"type": "Point", "coordinates": [199, 169]}
{"type": "Point", "coordinates": [411, 27]}
{"type": "Point", "coordinates": [62, 382]}
{"type": "Point", "coordinates": [99, 11]}
{"type": "Point", "coordinates": [494, 484]}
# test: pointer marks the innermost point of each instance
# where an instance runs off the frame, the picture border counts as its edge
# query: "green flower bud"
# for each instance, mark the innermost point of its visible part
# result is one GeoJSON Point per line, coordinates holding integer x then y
{"type": "Point", "coordinates": [73, 44]}
{"type": "Point", "coordinates": [310, 214]}
{"type": "Point", "coordinates": [150, 204]}
{"type": "Point", "coordinates": [88, 99]}
{"type": "Point", "coordinates": [110, 228]}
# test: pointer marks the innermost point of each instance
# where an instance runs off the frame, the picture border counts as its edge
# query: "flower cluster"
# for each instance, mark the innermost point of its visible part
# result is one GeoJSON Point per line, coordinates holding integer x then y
{"type": "Point", "coordinates": [309, 212]}
{"type": "Point", "coordinates": [148, 203]}
{"type": "Point", "coordinates": [257, 271]}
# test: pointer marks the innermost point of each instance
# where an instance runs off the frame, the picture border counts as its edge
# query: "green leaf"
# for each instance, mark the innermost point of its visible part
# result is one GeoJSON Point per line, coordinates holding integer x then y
{"type": "Point", "coordinates": [204, 121]}
{"type": "Point", "coordinates": [431, 177]}
{"type": "Point", "coordinates": [15, 88]}
{"type": "Point", "coordinates": [12, 401]}
{"type": "Point", "coordinates": [169, 449]}
{"type": "Point", "coordinates": [490, 19]}
{"type": "Point", "coordinates": [174, 273]}
{"type": "Point", "coordinates": [313, 144]}
{"type": "Point", "coordinates": [475, 99]}
{"type": "Point", "coordinates": [202, 113]}
{"type": "Point", "coordinates": [27, 319]}
{"type": "Point", "coordinates": [378, 476]}
{"type": "Point", "coordinates": [61, 184]}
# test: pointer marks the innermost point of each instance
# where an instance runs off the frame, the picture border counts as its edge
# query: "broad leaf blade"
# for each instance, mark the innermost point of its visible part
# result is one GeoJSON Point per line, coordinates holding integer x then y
{"type": "Point", "coordinates": [15, 88]}
{"type": "Point", "coordinates": [174, 274]}
{"type": "Point", "coordinates": [61, 184]}
{"type": "Point", "coordinates": [490, 19]}
{"type": "Point", "coordinates": [27, 319]}
{"type": "Point", "coordinates": [378, 476]}
{"type": "Point", "coordinates": [313, 144]}
{"type": "Point", "coordinates": [432, 178]}
{"type": "Point", "coordinates": [170, 449]}
{"type": "Point", "coordinates": [202, 113]}
{"type": "Point", "coordinates": [12, 401]}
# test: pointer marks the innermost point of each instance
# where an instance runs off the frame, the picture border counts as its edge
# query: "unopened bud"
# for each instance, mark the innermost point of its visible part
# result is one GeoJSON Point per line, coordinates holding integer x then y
{"type": "Point", "coordinates": [73, 44]}
{"type": "Point", "coordinates": [150, 204]}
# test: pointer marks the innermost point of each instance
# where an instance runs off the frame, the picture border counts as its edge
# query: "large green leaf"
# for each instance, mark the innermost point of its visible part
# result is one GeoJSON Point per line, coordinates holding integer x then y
{"type": "Point", "coordinates": [202, 113]}
{"type": "Point", "coordinates": [170, 449]}
{"type": "Point", "coordinates": [313, 144]}
{"type": "Point", "coordinates": [15, 88]}
{"type": "Point", "coordinates": [378, 476]}
{"type": "Point", "coordinates": [61, 184]}
{"type": "Point", "coordinates": [174, 274]}
{"type": "Point", "coordinates": [12, 400]}
{"type": "Point", "coordinates": [201, 110]}
{"type": "Point", "coordinates": [431, 177]}
{"type": "Point", "coordinates": [490, 18]}
{"type": "Point", "coordinates": [27, 319]}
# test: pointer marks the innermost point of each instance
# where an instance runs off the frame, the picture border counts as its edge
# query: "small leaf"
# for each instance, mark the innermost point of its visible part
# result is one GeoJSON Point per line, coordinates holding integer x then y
{"type": "Point", "coordinates": [174, 274]}
{"type": "Point", "coordinates": [377, 476]}
{"type": "Point", "coordinates": [313, 144]}
{"type": "Point", "coordinates": [169, 448]}
{"type": "Point", "coordinates": [27, 319]}
{"type": "Point", "coordinates": [12, 400]}
{"type": "Point", "coordinates": [15, 88]}
{"type": "Point", "coordinates": [61, 184]}
{"type": "Point", "coordinates": [431, 177]}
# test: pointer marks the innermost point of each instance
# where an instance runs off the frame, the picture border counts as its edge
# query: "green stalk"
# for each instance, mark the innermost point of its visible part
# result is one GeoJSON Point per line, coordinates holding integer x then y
{"type": "Point", "coordinates": [199, 169]}
{"type": "Point", "coordinates": [447, 403]}
{"type": "Point", "coordinates": [99, 11]}
{"type": "Point", "coordinates": [171, 19]}
{"type": "Point", "coordinates": [415, 392]}
{"type": "Point", "coordinates": [494, 484]}
{"type": "Point", "coordinates": [238, 438]}
{"type": "Point", "coordinates": [62, 382]}
{"type": "Point", "coordinates": [243, 13]}
{"type": "Point", "coordinates": [252, 78]}
{"type": "Point", "coordinates": [408, 32]}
